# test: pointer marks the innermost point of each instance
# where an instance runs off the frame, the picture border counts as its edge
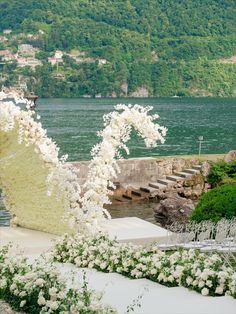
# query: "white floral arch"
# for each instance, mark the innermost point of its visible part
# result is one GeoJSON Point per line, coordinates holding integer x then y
{"type": "Point", "coordinates": [39, 188]}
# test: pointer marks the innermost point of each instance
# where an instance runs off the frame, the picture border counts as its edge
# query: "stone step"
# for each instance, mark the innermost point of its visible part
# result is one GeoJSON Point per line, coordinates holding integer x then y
{"type": "Point", "coordinates": [148, 189]}
{"type": "Point", "coordinates": [165, 181]}
{"type": "Point", "coordinates": [191, 171]}
{"type": "Point", "coordinates": [121, 199]}
{"type": "Point", "coordinates": [197, 167]}
{"type": "Point", "coordinates": [174, 178]}
{"type": "Point", "coordinates": [127, 197]}
{"type": "Point", "coordinates": [156, 185]}
{"type": "Point", "coordinates": [183, 174]}
{"type": "Point", "coordinates": [136, 193]}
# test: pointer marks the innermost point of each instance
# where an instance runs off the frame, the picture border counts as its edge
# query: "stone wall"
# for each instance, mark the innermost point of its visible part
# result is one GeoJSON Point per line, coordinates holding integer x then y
{"type": "Point", "coordinates": [141, 170]}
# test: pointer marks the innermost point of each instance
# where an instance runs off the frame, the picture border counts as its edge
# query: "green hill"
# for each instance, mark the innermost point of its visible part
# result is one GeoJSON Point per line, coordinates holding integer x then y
{"type": "Point", "coordinates": [167, 47]}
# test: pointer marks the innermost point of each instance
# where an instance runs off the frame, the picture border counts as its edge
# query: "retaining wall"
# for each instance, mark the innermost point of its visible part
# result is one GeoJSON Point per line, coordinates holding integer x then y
{"type": "Point", "coordinates": [141, 170]}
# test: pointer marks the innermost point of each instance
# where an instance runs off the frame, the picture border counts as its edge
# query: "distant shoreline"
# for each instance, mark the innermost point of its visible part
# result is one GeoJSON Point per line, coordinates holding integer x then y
{"type": "Point", "coordinates": [150, 97]}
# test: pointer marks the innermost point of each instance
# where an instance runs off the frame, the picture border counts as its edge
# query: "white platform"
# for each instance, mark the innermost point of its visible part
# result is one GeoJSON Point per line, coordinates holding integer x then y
{"type": "Point", "coordinates": [130, 229]}
{"type": "Point", "coordinates": [136, 230]}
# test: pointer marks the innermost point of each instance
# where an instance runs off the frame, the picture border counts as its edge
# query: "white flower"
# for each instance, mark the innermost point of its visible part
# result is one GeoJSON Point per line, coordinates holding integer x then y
{"type": "Point", "coordinates": [204, 291]}
{"type": "Point", "coordinates": [23, 302]}
{"type": "Point", "coordinates": [41, 300]}
{"type": "Point", "coordinates": [39, 282]}
{"type": "Point", "coordinates": [219, 290]}
{"type": "Point", "coordinates": [209, 283]}
{"type": "Point", "coordinates": [189, 280]}
{"type": "Point", "coordinates": [54, 305]}
{"type": "Point", "coordinates": [201, 284]}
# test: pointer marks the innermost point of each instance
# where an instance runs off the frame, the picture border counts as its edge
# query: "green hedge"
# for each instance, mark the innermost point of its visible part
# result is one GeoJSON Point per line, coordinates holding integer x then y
{"type": "Point", "coordinates": [217, 203]}
{"type": "Point", "coordinates": [221, 171]}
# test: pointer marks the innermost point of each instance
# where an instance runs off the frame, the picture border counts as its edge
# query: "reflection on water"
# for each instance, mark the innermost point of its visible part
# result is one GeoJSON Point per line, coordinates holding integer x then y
{"type": "Point", "coordinates": [4, 218]}
{"type": "Point", "coordinates": [4, 214]}
{"type": "Point", "coordinates": [140, 210]}
{"type": "Point", "coordinates": [132, 209]}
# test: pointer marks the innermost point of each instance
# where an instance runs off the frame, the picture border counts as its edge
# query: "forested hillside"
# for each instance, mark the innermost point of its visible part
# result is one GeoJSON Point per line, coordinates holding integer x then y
{"type": "Point", "coordinates": [129, 47]}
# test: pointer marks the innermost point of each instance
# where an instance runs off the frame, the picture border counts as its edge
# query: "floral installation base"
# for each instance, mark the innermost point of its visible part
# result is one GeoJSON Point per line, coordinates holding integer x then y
{"type": "Point", "coordinates": [207, 274]}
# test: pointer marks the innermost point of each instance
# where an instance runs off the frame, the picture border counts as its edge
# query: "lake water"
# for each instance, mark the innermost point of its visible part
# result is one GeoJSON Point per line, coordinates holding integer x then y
{"type": "Point", "coordinates": [73, 124]}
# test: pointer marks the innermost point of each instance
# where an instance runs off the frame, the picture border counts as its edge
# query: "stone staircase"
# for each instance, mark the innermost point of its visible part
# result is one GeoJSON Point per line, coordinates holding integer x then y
{"type": "Point", "coordinates": [151, 189]}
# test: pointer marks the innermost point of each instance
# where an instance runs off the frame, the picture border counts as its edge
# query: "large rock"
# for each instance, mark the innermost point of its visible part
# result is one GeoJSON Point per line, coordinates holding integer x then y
{"type": "Point", "coordinates": [230, 156]}
{"type": "Point", "coordinates": [172, 208]}
{"type": "Point", "coordinates": [206, 167]}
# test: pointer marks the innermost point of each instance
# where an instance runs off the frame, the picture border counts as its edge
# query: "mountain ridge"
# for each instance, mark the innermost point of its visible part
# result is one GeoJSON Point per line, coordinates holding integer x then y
{"type": "Point", "coordinates": [167, 47]}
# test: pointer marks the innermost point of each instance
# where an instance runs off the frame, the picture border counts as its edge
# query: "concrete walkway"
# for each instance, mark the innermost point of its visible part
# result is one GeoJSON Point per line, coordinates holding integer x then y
{"type": "Point", "coordinates": [120, 292]}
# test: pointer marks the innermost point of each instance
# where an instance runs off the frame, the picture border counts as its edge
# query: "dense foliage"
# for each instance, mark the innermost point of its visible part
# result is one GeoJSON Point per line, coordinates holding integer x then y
{"type": "Point", "coordinates": [222, 172]}
{"type": "Point", "coordinates": [217, 203]}
{"type": "Point", "coordinates": [170, 47]}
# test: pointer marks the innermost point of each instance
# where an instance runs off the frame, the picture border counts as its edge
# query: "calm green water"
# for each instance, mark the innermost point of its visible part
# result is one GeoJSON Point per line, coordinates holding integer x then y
{"type": "Point", "coordinates": [73, 124]}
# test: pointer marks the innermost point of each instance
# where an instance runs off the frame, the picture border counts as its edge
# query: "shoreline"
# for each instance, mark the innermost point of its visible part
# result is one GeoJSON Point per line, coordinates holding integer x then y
{"type": "Point", "coordinates": [150, 97]}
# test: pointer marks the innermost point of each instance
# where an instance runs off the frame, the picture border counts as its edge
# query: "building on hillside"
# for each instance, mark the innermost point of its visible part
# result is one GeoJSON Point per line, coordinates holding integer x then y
{"type": "Point", "coordinates": [3, 39]}
{"type": "Point", "coordinates": [30, 62]}
{"type": "Point", "coordinates": [76, 53]}
{"type": "Point", "coordinates": [6, 55]}
{"type": "Point", "coordinates": [58, 54]}
{"type": "Point", "coordinates": [26, 49]}
{"type": "Point", "coordinates": [32, 36]}
{"type": "Point", "coordinates": [7, 31]}
{"type": "Point", "coordinates": [102, 62]}
{"type": "Point", "coordinates": [57, 58]}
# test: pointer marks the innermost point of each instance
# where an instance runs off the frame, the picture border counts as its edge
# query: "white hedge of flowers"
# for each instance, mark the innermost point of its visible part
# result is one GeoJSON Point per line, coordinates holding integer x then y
{"type": "Point", "coordinates": [84, 212]}
{"type": "Point", "coordinates": [38, 288]}
{"type": "Point", "coordinates": [204, 273]}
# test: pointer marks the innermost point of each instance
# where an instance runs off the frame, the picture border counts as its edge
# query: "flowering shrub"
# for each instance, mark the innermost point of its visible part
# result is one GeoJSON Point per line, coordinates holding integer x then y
{"type": "Point", "coordinates": [38, 288]}
{"type": "Point", "coordinates": [23, 138]}
{"type": "Point", "coordinates": [204, 273]}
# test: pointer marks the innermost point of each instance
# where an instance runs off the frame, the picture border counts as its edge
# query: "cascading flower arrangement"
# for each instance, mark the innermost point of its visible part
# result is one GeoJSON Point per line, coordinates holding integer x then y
{"type": "Point", "coordinates": [103, 168]}
{"type": "Point", "coordinates": [29, 159]}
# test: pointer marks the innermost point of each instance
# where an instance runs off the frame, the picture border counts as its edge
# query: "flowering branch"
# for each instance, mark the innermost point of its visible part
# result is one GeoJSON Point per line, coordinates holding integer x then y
{"type": "Point", "coordinates": [103, 167]}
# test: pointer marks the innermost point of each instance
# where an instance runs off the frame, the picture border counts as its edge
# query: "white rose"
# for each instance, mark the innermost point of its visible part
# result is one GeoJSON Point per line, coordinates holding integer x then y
{"type": "Point", "coordinates": [209, 283]}
{"type": "Point", "coordinates": [39, 282]}
{"type": "Point", "coordinates": [201, 284]}
{"type": "Point", "coordinates": [54, 305]}
{"type": "Point", "coordinates": [204, 291]}
{"type": "Point", "coordinates": [41, 300]}
{"type": "Point", "coordinates": [22, 304]}
{"type": "Point", "coordinates": [189, 280]}
{"type": "Point", "coordinates": [219, 290]}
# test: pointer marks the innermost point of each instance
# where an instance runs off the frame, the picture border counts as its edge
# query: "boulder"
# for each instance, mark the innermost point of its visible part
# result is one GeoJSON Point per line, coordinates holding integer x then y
{"type": "Point", "coordinates": [230, 156]}
{"type": "Point", "coordinates": [172, 208]}
{"type": "Point", "coordinates": [206, 167]}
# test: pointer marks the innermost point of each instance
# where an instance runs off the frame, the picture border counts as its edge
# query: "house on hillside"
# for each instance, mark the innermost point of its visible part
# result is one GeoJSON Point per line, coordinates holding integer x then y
{"type": "Point", "coordinates": [3, 39]}
{"type": "Point", "coordinates": [27, 50]}
{"type": "Point", "coordinates": [102, 62]}
{"type": "Point", "coordinates": [6, 55]}
{"type": "Point", "coordinates": [7, 31]}
{"type": "Point", "coordinates": [57, 58]}
{"type": "Point", "coordinates": [30, 62]}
